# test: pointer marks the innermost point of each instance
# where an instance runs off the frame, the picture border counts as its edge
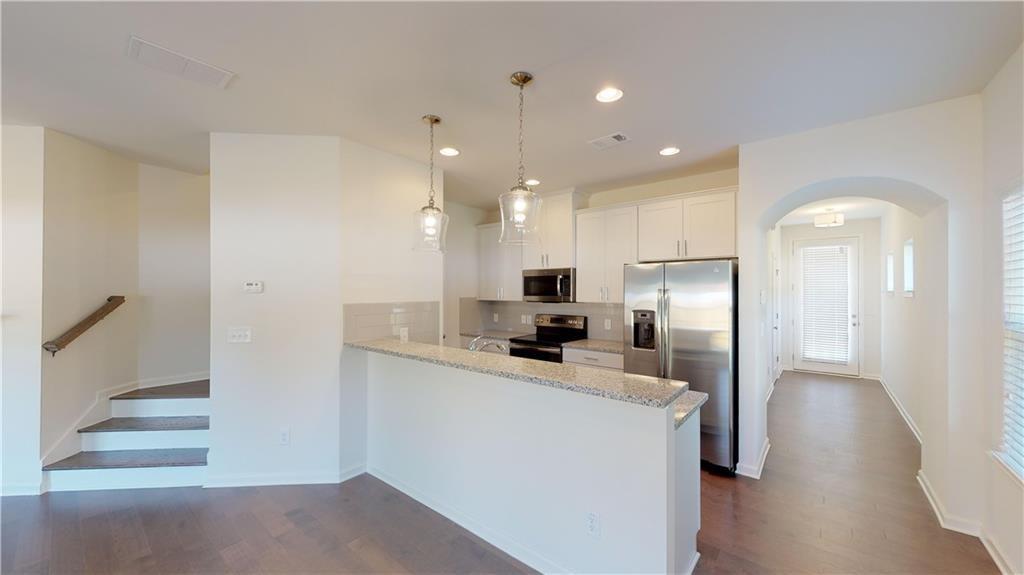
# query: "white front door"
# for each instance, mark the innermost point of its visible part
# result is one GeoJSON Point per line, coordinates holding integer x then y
{"type": "Point", "coordinates": [827, 323]}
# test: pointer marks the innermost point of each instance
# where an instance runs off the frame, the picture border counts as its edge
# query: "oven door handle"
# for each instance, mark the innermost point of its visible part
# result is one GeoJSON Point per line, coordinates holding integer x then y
{"type": "Point", "coordinates": [536, 347]}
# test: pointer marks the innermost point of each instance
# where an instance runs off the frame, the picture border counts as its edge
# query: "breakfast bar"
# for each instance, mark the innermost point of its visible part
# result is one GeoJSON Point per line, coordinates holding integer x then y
{"type": "Point", "coordinates": [568, 468]}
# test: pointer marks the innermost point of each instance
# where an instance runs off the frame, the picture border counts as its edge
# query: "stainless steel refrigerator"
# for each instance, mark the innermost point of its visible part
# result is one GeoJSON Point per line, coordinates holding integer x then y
{"type": "Point", "coordinates": [681, 324]}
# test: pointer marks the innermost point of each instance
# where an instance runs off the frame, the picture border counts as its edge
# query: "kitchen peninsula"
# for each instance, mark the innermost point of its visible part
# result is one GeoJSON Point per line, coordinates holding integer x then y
{"type": "Point", "coordinates": [568, 468]}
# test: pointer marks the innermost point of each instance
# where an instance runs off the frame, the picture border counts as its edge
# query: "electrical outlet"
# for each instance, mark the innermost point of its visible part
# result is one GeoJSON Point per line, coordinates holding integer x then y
{"type": "Point", "coordinates": [239, 335]}
{"type": "Point", "coordinates": [252, 286]}
{"type": "Point", "coordinates": [403, 334]}
{"type": "Point", "coordinates": [495, 317]}
{"type": "Point", "coordinates": [529, 319]}
{"type": "Point", "coordinates": [523, 319]}
{"type": "Point", "coordinates": [593, 524]}
{"type": "Point", "coordinates": [607, 324]}
{"type": "Point", "coordinates": [284, 436]}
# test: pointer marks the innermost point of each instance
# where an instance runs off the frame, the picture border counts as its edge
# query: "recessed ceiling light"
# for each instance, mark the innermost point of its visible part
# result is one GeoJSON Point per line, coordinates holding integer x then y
{"type": "Point", "coordinates": [449, 152]}
{"type": "Point", "coordinates": [669, 151]}
{"type": "Point", "coordinates": [609, 94]}
{"type": "Point", "coordinates": [532, 182]}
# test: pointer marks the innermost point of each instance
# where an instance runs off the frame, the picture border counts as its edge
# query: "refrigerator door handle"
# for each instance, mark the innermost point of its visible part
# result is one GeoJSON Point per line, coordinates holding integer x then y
{"type": "Point", "coordinates": [659, 342]}
{"type": "Point", "coordinates": [666, 305]}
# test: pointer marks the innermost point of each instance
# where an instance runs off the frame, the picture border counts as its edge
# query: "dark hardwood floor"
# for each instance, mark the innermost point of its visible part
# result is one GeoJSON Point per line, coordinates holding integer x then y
{"type": "Point", "coordinates": [838, 493]}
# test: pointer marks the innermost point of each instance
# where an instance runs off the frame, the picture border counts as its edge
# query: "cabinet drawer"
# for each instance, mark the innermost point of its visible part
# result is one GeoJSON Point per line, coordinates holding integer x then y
{"type": "Point", "coordinates": [595, 358]}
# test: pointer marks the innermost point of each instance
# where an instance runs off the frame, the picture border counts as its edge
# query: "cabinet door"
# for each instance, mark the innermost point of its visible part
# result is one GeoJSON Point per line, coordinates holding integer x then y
{"type": "Point", "coordinates": [510, 260]}
{"type": "Point", "coordinates": [533, 252]}
{"type": "Point", "coordinates": [709, 226]}
{"type": "Point", "coordinates": [620, 243]}
{"type": "Point", "coordinates": [487, 262]}
{"type": "Point", "coordinates": [660, 231]}
{"type": "Point", "coordinates": [557, 233]}
{"type": "Point", "coordinates": [590, 256]}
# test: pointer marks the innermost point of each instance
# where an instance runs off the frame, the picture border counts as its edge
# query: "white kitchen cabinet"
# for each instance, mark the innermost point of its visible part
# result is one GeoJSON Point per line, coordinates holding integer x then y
{"type": "Point", "coordinates": [593, 358]}
{"type": "Point", "coordinates": [500, 267]}
{"type": "Point", "coordinates": [554, 247]}
{"type": "Point", "coordinates": [606, 240]}
{"type": "Point", "coordinates": [660, 231]}
{"type": "Point", "coordinates": [709, 225]}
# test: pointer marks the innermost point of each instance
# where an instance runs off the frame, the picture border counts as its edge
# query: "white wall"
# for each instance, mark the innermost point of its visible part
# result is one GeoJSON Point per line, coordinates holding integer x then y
{"type": "Point", "coordinates": [692, 183]}
{"type": "Point", "coordinates": [927, 155]}
{"type": "Point", "coordinates": [1004, 124]}
{"type": "Point", "coordinates": [22, 299]}
{"type": "Point", "coordinates": [275, 216]}
{"type": "Point", "coordinates": [867, 231]}
{"type": "Point", "coordinates": [174, 276]}
{"type": "Point", "coordinates": [90, 239]}
{"type": "Point", "coordinates": [460, 264]}
{"type": "Point", "coordinates": [323, 222]}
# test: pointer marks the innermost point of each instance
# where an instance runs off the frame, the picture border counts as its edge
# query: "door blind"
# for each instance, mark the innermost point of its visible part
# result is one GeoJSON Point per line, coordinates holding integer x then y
{"type": "Point", "coordinates": [1013, 331]}
{"type": "Point", "coordinates": [825, 322]}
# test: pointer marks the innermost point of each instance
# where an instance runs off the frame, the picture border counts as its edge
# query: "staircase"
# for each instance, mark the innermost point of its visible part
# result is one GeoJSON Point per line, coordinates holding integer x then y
{"type": "Point", "coordinates": [156, 437]}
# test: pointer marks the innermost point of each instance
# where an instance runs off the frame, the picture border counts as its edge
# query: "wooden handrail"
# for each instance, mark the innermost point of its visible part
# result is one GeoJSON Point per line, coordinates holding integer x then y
{"type": "Point", "coordinates": [55, 345]}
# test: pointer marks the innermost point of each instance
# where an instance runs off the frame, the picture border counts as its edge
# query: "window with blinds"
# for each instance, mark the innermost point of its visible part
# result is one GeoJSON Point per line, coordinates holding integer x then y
{"type": "Point", "coordinates": [825, 321]}
{"type": "Point", "coordinates": [1013, 332]}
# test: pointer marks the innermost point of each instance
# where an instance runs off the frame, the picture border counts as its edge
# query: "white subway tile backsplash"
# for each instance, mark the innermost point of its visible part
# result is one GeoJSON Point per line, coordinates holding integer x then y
{"type": "Point", "coordinates": [365, 321]}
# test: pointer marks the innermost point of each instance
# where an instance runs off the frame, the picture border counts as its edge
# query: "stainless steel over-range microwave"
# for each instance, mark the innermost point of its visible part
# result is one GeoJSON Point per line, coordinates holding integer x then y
{"type": "Point", "coordinates": [552, 285]}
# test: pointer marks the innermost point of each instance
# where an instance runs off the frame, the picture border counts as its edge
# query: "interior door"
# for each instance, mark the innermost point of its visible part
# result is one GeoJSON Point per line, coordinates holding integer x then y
{"type": "Point", "coordinates": [590, 257]}
{"type": "Point", "coordinates": [709, 226]}
{"type": "Point", "coordinates": [827, 324]}
{"type": "Point", "coordinates": [619, 249]}
{"type": "Point", "coordinates": [660, 231]}
{"type": "Point", "coordinates": [776, 318]}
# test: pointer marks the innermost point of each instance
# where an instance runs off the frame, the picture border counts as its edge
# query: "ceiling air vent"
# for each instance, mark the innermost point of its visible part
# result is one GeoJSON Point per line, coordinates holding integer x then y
{"type": "Point", "coordinates": [605, 142]}
{"type": "Point", "coordinates": [172, 62]}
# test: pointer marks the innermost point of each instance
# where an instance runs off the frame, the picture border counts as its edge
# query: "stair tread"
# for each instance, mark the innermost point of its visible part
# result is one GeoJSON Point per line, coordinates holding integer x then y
{"type": "Point", "coordinates": [190, 390]}
{"type": "Point", "coordinates": [168, 423]}
{"type": "Point", "coordinates": [181, 457]}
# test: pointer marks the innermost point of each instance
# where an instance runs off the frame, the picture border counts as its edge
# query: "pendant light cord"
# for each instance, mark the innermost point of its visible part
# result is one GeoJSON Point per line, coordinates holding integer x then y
{"type": "Point", "coordinates": [522, 169]}
{"type": "Point", "coordinates": [431, 193]}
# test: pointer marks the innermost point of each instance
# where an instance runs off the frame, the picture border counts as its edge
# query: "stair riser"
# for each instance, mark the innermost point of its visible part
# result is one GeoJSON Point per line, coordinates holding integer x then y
{"type": "Point", "coordinates": [114, 440]}
{"type": "Point", "coordinates": [132, 478]}
{"type": "Point", "coordinates": [158, 407]}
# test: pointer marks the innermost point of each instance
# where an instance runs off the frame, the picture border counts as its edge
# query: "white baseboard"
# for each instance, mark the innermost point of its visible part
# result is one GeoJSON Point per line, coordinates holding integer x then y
{"type": "Point", "coordinates": [903, 411]}
{"type": "Point", "coordinates": [69, 443]}
{"type": "Point", "coordinates": [351, 471]}
{"type": "Point", "coordinates": [172, 379]}
{"type": "Point", "coordinates": [754, 471]}
{"type": "Point", "coordinates": [265, 479]}
{"type": "Point", "coordinates": [947, 521]}
{"type": "Point", "coordinates": [997, 555]}
{"type": "Point", "coordinates": [771, 390]}
{"type": "Point", "coordinates": [693, 563]}
{"type": "Point", "coordinates": [500, 540]}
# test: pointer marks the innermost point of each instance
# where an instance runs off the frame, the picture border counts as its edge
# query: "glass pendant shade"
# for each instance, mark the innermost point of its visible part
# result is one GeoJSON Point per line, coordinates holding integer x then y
{"type": "Point", "coordinates": [431, 225]}
{"type": "Point", "coordinates": [520, 215]}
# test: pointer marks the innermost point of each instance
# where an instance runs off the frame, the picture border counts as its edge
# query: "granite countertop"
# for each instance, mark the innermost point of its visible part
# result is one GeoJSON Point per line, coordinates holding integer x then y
{"type": "Point", "coordinates": [687, 405]}
{"type": "Point", "coordinates": [602, 345]}
{"type": "Point", "coordinates": [496, 334]}
{"type": "Point", "coordinates": [627, 387]}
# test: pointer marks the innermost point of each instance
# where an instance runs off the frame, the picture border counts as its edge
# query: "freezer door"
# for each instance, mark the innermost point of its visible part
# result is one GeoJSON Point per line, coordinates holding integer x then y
{"type": "Point", "coordinates": [641, 336]}
{"type": "Point", "coordinates": [699, 298]}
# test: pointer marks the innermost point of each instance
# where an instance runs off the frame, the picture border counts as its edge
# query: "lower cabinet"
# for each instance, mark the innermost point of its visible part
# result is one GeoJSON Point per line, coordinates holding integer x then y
{"type": "Point", "coordinates": [593, 358]}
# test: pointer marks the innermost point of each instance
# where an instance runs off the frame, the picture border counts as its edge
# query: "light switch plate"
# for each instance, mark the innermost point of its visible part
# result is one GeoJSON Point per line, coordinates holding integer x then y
{"type": "Point", "coordinates": [239, 335]}
{"type": "Point", "coordinates": [495, 317]}
{"type": "Point", "coordinates": [252, 286]}
{"type": "Point", "coordinates": [403, 334]}
{"type": "Point", "coordinates": [607, 324]}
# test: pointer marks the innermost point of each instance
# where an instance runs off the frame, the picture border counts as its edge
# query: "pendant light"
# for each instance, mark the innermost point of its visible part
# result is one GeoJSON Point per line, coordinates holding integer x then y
{"type": "Point", "coordinates": [520, 207]}
{"type": "Point", "coordinates": [431, 223]}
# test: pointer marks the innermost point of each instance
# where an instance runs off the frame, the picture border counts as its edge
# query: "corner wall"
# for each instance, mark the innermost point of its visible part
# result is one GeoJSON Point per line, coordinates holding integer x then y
{"type": "Point", "coordinates": [21, 334]}
{"type": "Point", "coordinates": [460, 265]}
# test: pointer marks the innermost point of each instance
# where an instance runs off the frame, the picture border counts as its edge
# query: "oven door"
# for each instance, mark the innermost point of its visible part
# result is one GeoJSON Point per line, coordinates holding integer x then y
{"type": "Point", "coordinates": [555, 285]}
{"type": "Point", "coordinates": [540, 352]}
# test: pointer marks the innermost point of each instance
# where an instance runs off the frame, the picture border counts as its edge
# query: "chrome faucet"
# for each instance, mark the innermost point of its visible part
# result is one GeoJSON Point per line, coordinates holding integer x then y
{"type": "Point", "coordinates": [481, 342]}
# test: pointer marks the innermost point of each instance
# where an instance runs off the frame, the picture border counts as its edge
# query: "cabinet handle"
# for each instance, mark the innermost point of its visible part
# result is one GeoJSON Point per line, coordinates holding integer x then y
{"type": "Point", "coordinates": [677, 248]}
{"type": "Point", "coordinates": [686, 248]}
{"type": "Point", "coordinates": [588, 358]}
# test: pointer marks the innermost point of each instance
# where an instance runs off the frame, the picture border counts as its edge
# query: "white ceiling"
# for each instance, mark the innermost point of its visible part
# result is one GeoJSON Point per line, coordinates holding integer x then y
{"type": "Point", "coordinates": [704, 77]}
{"type": "Point", "coordinates": [853, 208]}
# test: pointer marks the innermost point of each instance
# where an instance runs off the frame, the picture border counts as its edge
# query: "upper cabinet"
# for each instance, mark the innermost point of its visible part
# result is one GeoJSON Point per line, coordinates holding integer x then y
{"type": "Point", "coordinates": [660, 230]}
{"type": "Point", "coordinates": [606, 240]}
{"type": "Point", "coordinates": [709, 225]}
{"type": "Point", "coordinates": [554, 248]}
{"type": "Point", "coordinates": [500, 267]}
{"type": "Point", "coordinates": [698, 226]}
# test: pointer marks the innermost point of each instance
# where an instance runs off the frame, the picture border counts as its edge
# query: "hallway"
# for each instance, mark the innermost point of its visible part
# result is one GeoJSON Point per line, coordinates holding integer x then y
{"type": "Point", "coordinates": [838, 493]}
